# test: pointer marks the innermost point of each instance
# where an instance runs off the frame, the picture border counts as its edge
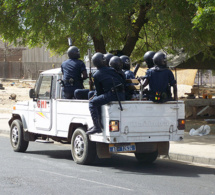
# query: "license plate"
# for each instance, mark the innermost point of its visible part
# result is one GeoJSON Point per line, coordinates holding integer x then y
{"type": "Point", "coordinates": [123, 148]}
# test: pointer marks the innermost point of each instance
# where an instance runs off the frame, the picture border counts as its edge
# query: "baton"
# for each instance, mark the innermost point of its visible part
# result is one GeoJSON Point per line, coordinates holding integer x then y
{"type": "Point", "coordinates": [70, 41]}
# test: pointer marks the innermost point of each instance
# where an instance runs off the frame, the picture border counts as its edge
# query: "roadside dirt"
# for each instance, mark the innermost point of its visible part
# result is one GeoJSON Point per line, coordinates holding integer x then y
{"type": "Point", "coordinates": [19, 88]}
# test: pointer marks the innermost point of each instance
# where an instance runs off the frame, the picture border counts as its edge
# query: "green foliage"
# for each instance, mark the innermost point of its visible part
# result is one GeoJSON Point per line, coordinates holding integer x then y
{"type": "Point", "coordinates": [162, 24]}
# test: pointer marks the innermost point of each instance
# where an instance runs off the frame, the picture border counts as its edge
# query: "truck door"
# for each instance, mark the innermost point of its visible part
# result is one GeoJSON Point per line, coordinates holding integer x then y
{"type": "Point", "coordinates": [43, 108]}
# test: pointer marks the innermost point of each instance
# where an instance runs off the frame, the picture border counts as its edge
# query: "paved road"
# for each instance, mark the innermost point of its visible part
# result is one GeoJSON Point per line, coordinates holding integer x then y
{"type": "Point", "coordinates": [49, 169]}
{"type": "Point", "coordinates": [4, 118]}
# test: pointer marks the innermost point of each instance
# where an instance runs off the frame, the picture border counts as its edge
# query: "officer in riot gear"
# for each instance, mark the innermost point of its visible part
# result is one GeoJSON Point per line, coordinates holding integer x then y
{"type": "Point", "coordinates": [160, 60]}
{"type": "Point", "coordinates": [107, 58]}
{"type": "Point", "coordinates": [159, 78]}
{"type": "Point", "coordinates": [128, 75]}
{"type": "Point", "coordinates": [74, 72]}
{"type": "Point", "coordinates": [116, 63]}
{"type": "Point", "coordinates": [104, 79]}
{"type": "Point", "coordinates": [126, 66]}
{"type": "Point", "coordinates": [148, 58]}
{"type": "Point", "coordinates": [73, 52]}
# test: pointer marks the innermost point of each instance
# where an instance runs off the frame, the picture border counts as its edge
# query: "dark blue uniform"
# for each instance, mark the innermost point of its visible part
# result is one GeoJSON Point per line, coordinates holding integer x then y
{"type": "Point", "coordinates": [72, 68]}
{"type": "Point", "coordinates": [159, 81]}
{"type": "Point", "coordinates": [129, 74]}
{"type": "Point", "coordinates": [104, 94]}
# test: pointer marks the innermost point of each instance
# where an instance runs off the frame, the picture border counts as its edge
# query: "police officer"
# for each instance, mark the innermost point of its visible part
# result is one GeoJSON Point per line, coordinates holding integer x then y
{"type": "Point", "coordinates": [126, 66]}
{"type": "Point", "coordinates": [148, 58]}
{"type": "Point", "coordinates": [74, 72]}
{"type": "Point", "coordinates": [159, 79]}
{"type": "Point", "coordinates": [104, 80]}
{"type": "Point", "coordinates": [107, 58]}
{"type": "Point", "coordinates": [116, 63]}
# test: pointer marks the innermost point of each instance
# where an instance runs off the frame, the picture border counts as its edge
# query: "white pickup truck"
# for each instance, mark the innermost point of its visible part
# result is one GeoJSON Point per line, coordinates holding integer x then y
{"type": "Point", "coordinates": [143, 127]}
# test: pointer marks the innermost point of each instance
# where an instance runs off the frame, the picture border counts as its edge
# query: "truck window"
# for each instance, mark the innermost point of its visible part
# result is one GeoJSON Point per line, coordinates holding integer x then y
{"type": "Point", "coordinates": [45, 87]}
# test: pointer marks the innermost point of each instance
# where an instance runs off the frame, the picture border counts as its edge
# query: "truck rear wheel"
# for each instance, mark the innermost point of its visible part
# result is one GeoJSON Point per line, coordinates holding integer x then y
{"type": "Point", "coordinates": [17, 138]}
{"type": "Point", "coordinates": [83, 150]}
{"type": "Point", "coordinates": [146, 157]}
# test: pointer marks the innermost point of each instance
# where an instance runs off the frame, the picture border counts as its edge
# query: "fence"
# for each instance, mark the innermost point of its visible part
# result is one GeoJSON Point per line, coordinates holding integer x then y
{"type": "Point", "coordinates": [24, 70]}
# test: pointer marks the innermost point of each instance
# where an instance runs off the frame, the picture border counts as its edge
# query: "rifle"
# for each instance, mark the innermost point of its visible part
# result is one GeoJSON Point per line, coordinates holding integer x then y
{"type": "Point", "coordinates": [115, 90]}
{"type": "Point", "coordinates": [70, 41]}
{"type": "Point", "coordinates": [136, 69]}
{"type": "Point", "coordinates": [90, 73]}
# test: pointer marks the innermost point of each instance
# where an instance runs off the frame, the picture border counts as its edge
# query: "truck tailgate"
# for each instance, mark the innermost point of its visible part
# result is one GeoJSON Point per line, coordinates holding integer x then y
{"type": "Point", "coordinates": [142, 121]}
{"type": "Point", "coordinates": [152, 118]}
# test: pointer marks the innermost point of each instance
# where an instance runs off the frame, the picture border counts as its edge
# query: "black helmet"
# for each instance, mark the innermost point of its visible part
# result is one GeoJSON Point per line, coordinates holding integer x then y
{"type": "Point", "coordinates": [98, 60]}
{"type": "Point", "coordinates": [126, 62]}
{"type": "Point", "coordinates": [148, 58]}
{"type": "Point", "coordinates": [107, 58]}
{"type": "Point", "coordinates": [73, 52]}
{"type": "Point", "coordinates": [116, 63]}
{"type": "Point", "coordinates": [159, 59]}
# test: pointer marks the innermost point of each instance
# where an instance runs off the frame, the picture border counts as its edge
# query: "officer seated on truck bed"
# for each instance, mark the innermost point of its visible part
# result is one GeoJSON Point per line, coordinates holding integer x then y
{"type": "Point", "coordinates": [159, 78]}
{"type": "Point", "coordinates": [74, 72]}
{"type": "Point", "coordinates": [104, 79]}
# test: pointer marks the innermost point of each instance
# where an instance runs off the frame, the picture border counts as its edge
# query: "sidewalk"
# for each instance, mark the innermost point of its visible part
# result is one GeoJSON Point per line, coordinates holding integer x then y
{"type": "Point", "coordinates": [4, 127]}
{"type": "Point", "coordinates": [193, 149]}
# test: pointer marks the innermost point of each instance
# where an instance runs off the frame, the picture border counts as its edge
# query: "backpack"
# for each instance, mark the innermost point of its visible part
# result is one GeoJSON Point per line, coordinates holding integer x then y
{"type": "Point", "coordinates": [159, 97]}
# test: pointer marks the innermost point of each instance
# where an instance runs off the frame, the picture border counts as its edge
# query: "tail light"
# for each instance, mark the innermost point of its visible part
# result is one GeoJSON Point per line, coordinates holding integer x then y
{"type": "Point", "coordinates": [113, 126]}
{"type": "Point", "coordinates": [181, 124]}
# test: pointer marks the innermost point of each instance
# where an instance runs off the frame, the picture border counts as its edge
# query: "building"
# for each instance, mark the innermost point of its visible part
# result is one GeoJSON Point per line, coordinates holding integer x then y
{"type": "Point", "coordinates": [22, 62]}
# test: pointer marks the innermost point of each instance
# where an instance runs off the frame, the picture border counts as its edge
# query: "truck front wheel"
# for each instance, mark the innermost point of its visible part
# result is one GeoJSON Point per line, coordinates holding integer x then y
{"type": "Point", "coordinates": [83, 150]}
{"type": "Point", "coordinates": [17, 138]}
{"type": "Point", "coordinates": [146, 157]}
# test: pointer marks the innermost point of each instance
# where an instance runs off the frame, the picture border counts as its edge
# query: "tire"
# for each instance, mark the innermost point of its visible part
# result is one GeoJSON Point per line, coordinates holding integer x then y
{"type": "Point", "coordinates": [146, 157]}
{"type": "Point", "coordinates": [82, 149]}
{"type": "Point", "coordinates": [17, 138]}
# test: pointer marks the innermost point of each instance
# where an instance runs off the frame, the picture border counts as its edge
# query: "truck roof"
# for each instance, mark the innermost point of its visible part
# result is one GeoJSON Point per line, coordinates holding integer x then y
{"type": "Point", "coordinates": [52, 71]}
{"type": "Point", "coordinates": [58, 71]}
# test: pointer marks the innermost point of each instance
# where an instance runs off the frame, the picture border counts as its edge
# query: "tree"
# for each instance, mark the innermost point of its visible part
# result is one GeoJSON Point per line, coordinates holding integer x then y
{"type": "Point", "coordinates": [204, 21]}
{"type": "Point", "coordinates": [130, 26]}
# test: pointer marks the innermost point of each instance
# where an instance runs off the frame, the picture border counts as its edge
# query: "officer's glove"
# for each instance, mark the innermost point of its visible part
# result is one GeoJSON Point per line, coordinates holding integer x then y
{"type": "Point", "coordinates": [60, 81]}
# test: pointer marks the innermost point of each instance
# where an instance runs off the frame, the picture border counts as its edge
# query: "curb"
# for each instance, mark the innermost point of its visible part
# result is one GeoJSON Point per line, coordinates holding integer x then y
{"type": "Point", "coordinates": [172, 156]}
{"type": "Point", "coordinates": [5, 132]}
{"type": "Point", "coordinates": [192, 159]}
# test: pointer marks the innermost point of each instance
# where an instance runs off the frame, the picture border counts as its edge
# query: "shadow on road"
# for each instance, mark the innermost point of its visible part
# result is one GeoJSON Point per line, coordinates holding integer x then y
{"type": "Point", "coordinates": [123, 164]}
{"type": "Point", "coordinates": [128, 164]}
{"type": "Point", "coordinates": [56, 154]}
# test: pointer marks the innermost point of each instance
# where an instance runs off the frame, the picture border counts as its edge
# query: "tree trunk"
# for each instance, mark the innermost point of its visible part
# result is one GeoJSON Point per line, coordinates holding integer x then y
{"type": "Point", "coordinates": [99, 44]}
{"type": "Point", "coordinates": [133, 36]}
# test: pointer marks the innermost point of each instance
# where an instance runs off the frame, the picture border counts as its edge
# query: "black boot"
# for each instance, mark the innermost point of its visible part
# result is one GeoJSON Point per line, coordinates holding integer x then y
{"type": "Point", "coordinates": [95, 129]}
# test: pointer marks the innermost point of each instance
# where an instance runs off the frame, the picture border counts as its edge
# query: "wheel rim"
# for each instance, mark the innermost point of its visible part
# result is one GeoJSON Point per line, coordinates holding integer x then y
{"type": "Point", "coordinates": [79, 146]}
{"type": "Point", "coordinates": [15, 135]}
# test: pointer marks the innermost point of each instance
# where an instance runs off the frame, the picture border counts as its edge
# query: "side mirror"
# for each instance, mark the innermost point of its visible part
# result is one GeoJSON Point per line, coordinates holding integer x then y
{"type": "Point", "coordinates": [32, 93]}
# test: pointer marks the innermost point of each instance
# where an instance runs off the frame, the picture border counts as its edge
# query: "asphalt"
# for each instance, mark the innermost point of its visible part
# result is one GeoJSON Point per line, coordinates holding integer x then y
{"type": "Point", "coordinates": [193, 149]}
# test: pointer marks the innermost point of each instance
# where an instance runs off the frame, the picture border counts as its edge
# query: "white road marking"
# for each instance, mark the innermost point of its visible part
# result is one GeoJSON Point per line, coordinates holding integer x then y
{"type": "Point", "coordinates": [112, 186]}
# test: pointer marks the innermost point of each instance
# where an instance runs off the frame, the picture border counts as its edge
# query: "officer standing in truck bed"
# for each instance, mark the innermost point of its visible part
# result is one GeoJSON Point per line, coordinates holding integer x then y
{"type": "Point", "coordinates": [160, 78]}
